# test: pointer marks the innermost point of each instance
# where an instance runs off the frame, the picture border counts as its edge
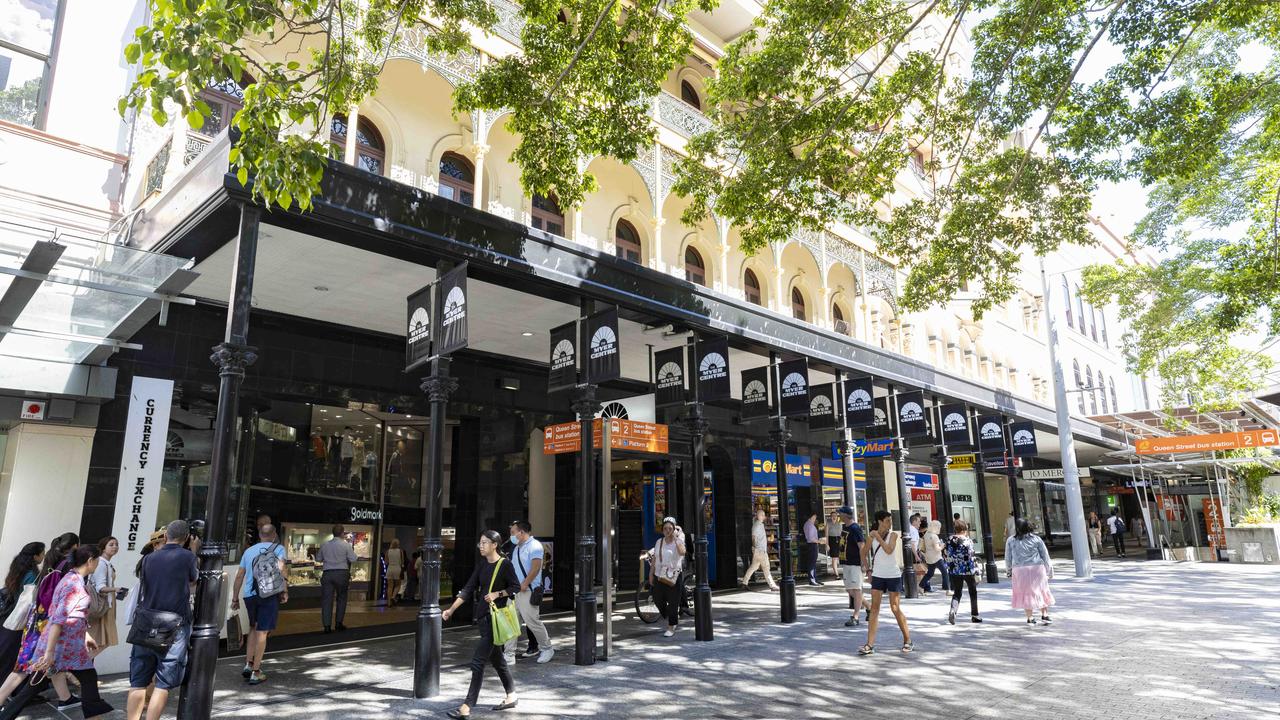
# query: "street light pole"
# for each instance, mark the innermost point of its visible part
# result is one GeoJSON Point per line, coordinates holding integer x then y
{"type": "Point", "coordinates": [698, 425]}
{"type": "Point", "coordinates": [1066, 444]}
{"type": "Point", "coordinates": [429, 631]}
{"type": "Point", "coordinates": [780, 436]}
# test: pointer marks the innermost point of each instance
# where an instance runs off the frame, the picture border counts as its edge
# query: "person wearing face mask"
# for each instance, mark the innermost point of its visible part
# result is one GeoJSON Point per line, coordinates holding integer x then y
{"type": "Point", "coordinates": [666, 575]}
{"type": "Point", "coordinates": [492, 581]}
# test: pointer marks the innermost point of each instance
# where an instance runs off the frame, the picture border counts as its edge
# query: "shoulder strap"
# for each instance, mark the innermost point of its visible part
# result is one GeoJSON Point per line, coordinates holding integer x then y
{"type": "Point", "coordinates": [494, 576]}
{"type": "Point", "coordinates": [520, 560]}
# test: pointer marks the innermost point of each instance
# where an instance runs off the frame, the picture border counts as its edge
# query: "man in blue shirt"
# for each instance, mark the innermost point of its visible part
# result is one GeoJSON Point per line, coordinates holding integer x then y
{"type": "Point", "coordinates": [168, 575]}
{"type": "Point", "coordinates": [852, 541]}
{"type": "Point", "coordinates": [263, 611]}
{"type": "Point", "coordinates": [526, 558]}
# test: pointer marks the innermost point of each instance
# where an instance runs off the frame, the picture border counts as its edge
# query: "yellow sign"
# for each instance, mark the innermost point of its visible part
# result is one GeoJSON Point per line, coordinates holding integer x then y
{"type": "Point", "coordinates": [961, 462]}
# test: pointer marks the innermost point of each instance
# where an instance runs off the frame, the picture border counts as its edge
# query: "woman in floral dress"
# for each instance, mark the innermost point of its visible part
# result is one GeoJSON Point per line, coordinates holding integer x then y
{"type": "Point", "coordinates": [65, 645]}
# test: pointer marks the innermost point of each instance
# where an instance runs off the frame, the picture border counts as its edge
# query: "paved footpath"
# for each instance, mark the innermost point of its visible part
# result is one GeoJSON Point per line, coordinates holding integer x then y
{"type": "Point", "coordinates": [1143, 640]}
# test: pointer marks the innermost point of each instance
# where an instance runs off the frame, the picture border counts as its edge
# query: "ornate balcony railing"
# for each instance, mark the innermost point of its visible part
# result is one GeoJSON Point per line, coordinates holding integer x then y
{"type": "Point", "coordinates": [678, 116]}
{"type": "Point", "coordinates": [195, 144]}
{"type": "Point", "coordinates": [510, 22]}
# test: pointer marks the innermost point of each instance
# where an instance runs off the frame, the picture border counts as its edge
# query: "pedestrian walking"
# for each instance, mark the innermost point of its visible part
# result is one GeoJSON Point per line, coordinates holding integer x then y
{"type": "Point", "coordinates": [498, 576]}
{"type": "Point", "coordinates": [811, 548]}
{"type": "Point", "coordinates": [335, 558]}
{"type": "Point", "coordinates": [1010, 527]}
{"type": "Point", "coordinates": [1095, 534]}
{"type": "Point", "coordinates": [262, 581]}
{"type": "Point", "coordinates": [835, 530]}
{"type": "Point", "coordinates": [853, 543]}
{"type": "Point", "coordinates": [1116, 526]}
{"type": "Point", "coordinates": [395, 561]}
{"type": "Point", "coordinates": [526, 559]}
{"type": "Point", "coordinates": [17, 600]}
{"type": "Point", "coordinates": [164, 589]}
{"type": "Point", "coordinates": [911, 550]}
{"type": "Point", "coordinates": [103, 628]}
{"type": "Point", "coordinates": [1026, 560]}
{"type": "Point", "coordinates": [759, 553]}
{"type": "Point", "coordinates": [931, 549]}
{"type": "Point", "coordinates": [962, 566]}
{"type": "Point", "coordinates": [57, 562]}
{"type": "Point", "coordinates": [886, 577]}
{"type": "Point", "coordinates": [666, 573]}
{"type": "Point", "coordinates": [414, 573]}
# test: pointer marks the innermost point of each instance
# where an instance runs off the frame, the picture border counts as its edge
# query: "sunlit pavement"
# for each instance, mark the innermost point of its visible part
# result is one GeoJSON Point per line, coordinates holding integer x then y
{"type": "Point", "coordinates": [1141, 640]}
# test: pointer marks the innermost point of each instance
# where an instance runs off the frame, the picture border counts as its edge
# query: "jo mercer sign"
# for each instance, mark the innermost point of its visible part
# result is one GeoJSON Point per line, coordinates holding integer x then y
{"type": "Point", "coordinates": [623, 435]}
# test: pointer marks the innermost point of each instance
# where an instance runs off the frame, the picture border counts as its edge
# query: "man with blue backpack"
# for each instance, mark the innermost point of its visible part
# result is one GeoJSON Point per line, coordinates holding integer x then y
{"type": "Point", "coordinates": [1115, 524]}
{"type": "Point", "coordinates": [263, 566]}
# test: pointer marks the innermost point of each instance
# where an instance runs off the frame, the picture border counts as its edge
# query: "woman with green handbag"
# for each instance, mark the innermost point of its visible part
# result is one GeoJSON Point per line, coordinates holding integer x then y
{"type": "Point", "coordinates": [495, 617]}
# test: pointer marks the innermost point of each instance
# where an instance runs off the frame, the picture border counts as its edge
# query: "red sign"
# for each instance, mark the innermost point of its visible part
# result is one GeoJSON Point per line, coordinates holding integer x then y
{"type": "Point", "coordinates": [623, 435]}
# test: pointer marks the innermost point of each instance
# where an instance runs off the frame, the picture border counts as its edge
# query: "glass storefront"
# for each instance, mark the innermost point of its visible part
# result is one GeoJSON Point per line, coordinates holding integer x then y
{"type": "Point", "coordinates": [963, 485]}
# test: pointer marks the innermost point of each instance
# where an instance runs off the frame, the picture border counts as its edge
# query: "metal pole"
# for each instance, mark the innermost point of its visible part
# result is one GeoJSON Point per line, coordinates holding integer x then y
{"type": "Point", "coordinates": [846, 448]}
{"type": "Point", "coordinates": [940, 464]}
{"type": "Point", "coordinates": [429, 632]}
{"type": "Point", "coordinates": [1066, 445]}
{"type": "Point", "coordinates": [606, 535]}
{"type": "Point", "coordinates": [698, 431]}
{"type": "Point", "coordinates": [586, 406]}
{"type": "Point", "coordinates": [1012, 470]}
{"type": "Point", "coordinates": [231, 357]}
{"type": "Point", "coordinates": [984, 515]}
{"type": "Point", "coordinates": [780, 434]}
{"type": "Point", "coordinates": [904, 505]}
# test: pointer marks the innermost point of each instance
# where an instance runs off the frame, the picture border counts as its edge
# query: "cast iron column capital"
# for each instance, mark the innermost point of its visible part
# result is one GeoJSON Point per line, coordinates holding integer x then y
{"type": "Point", "coordinates": [438, 388]}
{"type": "Point", "coordinates": [584, 401]}
{"type": "Point", "coordinates": [232, 359]}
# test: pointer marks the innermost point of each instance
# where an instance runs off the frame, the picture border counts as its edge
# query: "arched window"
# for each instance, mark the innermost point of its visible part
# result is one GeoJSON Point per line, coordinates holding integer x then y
{"type": "Point", "coordinates": [224, 100]}
{"type": "Point", "coordinates": [626, 242]}
{"type": "Point", "coordinates": [1080, 311]}
{"type": "Point", "coordinates": [370, 150]}
{"type": "Point", "coordinates": [797, 304]}
{"type": "Point", "coordinates": [751, 286]}
{"type": "Point", "coordinates": [1079, 383]}
{"type": "Point", "coordinates": [837, 317]}
{"type": "Point", "coordinates": [457, 179]}
{"type": "Point", "coordinates": [547, 216]}
{"type": "Point", "coordinates": [1115, 404]}
{"type": "Point", "coordinates": [689, 95]}
{"type": "Point", "coordinates": [1102, 326]}
{"type": "Point", "coordinates": [695, 271]}
{"type": "Point", "coordinates": [1066, 297]}
{"type": "Point", "coordinates": [1093, 323]}
{"type": "Point", "coordinates": [1102, 392]}
{"type": "Point", "coordinates": [1093, 393]}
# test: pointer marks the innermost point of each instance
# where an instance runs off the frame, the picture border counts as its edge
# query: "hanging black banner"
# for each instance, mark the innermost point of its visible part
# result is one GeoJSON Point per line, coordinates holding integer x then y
{"type": "Point", "coordinates": [1024, 439]}
{"type": "Point", "coordinates": [911, 422]}
{"type": "Point", "coordinates": [991, 435]}
{"type": "Point", "coordinates": [859, 408]}
{"type": "Point", "coordinates": [713, 370]}
{"type": "Point", "coordinates": [822, 406]}
{"type": "Point", "coordinates": [451, 311]}
{"type": "Point", "coordinates": [604, 359]}
{"type": "Point", "coordinates": [955, 426]}
{"type": "Point", "coordinates": [563, 360]}
{"type": "Point", "coordinates": [417, 349]}
{"type": "Point", "coordinates": [793, 395]}
{"type": "Point", "coordinates": [880, 419]}
{"type": "Point", "coordinates": [668, 386]}
{"type": "Point", "coordinates": [755, 392]}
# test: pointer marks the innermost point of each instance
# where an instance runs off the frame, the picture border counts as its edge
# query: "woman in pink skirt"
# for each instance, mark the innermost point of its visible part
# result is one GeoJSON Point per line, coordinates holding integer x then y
{"type": "Point", "coordinates": [1026, 560]}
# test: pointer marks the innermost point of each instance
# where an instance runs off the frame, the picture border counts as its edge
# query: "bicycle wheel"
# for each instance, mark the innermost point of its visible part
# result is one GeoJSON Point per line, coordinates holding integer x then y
{"type": "Point", "coordinates": [646, 608]}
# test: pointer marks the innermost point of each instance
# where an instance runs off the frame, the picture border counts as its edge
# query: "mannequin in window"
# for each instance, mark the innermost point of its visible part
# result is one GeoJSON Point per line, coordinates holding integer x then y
{"type": "Point", "coordinates": [395, 468]}
{"type": "Point", "coordinates": [367, 472]}
{"type": "Point", "coordinates": [319, 452]}
{"type": "Point", "coordinates": [348, 451]}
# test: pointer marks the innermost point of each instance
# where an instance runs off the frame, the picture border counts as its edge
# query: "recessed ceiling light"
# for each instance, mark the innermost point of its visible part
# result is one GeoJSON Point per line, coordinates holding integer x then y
{"type": "Point", "coordinates": [526, 333]}
{"type": "Point", "coordinates": [321, 288]}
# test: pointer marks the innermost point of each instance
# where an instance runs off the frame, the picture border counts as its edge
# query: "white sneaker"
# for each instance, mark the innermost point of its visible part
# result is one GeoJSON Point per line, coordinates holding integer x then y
{"type": "Point", "coordinates": [668, 633]}
{"type": "Point", "coordinates": [546, 655]}
{"type": "Point", "coordinates": [511, 659]}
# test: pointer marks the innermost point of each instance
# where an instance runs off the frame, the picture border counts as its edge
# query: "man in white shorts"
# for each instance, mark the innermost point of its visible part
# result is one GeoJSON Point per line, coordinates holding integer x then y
{"type": "Point", "coordinates": [852, 541]}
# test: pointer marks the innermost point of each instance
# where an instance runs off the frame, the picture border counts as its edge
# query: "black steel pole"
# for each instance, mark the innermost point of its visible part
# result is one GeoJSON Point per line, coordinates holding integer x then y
{"type": "Point", "coordinates": [586, 406]}
{"type": "Point", "coordinates": [702, 593]}
{"type": "Point", "coordinates": [984, 515]}
{"type": "Point", "coordinates": [427, 637]}
{"type": "Point", "coordinates": [780, 434]}
{"type": "Point", "coordinates": [232, 356]}
{"type": "Point", "coordinates": [846, 448]}
{"type": "Point", "coordinates": [904, 501]}
{"type": "Point", "coordinates": [1010, 470]}
{"type": "Point", "coordinates": [940, 465]}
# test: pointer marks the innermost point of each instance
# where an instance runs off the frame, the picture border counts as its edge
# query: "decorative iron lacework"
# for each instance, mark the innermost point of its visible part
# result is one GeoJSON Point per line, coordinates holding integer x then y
{"type": "Point", "coordinates": [668, 175]}
{"type": "Point", "coordinates": [644, 164]}
{"type": "Point", "coordinates": [411, 44]}
{"type": "Point", "coordinates": [510, 21]}
{"type": "Point", "coordinates": [882, 280]}
{"type": "Point", "coordinates": [485, 121]}
{"type": "Point", "coordinates": [846, 253]}
{"type": "Point", "coordinates": [156, 169]}
{"type": "Point", "coordinates": [195, 144]}
{"type": "Point", "coordinates": [681, 117]}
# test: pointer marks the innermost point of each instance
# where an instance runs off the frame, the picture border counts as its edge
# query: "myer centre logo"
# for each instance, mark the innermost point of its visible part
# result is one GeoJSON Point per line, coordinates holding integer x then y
{"type": "Point", "coordinates": [820, 405]}
{"type": "Point", "coordinates": [603, 343]}
{"type": "Point", "coordinates": [793, 385]}
{"type": "Point", "coordinates": [455, 307]}
{"type": "Point", "coordinates": [859, 401]}
{"type": "Point", "coordinates": [712, 367]}
{"type": "Point", "coordinates": [670, 376]}
{"type": "Point", "coordinates": [419, 325]}
{"type": "Point", "coordinates": [911, 412]}
{"type": "Point", "coordinates": [1023, 437]}
{"type": "Point", "coordinates": [882, 418]}
{"type": "Point", "coordinates": [754, 392]}
{"type": "Point", "coordinates": [991, 431]}
{"type": "Point", "coordinates": [562, 356]}
{"type": "Point", "coordinates": [953, 422]}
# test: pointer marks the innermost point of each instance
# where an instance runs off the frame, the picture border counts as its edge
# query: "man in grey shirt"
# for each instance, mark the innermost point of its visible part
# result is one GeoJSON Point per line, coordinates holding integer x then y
{"type": "Point", "coordinates": [335, 558]}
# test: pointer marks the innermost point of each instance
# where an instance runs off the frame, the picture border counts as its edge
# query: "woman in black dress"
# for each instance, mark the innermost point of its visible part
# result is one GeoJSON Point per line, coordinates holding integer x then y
{"type": "Point", "coordinates": [505, 586]}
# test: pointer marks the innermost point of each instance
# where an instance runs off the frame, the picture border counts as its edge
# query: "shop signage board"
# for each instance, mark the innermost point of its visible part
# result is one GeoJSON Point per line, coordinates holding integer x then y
{"type": "Point", "coordinates": [623, 435]}
{"type": "Point", "coordinates": [924, 481]}
{"type": "Point", "coordinates": [911, 422]}
{"type": "Point", "coordinates": [755, 392]}
{"type": "Point", "coordinates": [563, 360]}
{"type": "Point", "coordinates": [822, 408]}
{"type": "Point", "coordinates": [1213, 522]}
{"type": "Point", "coordinates": [418, 347]}
{"type": "Point", "coordinates": [451, 311]}
{"type": "Point", "coordinates": [764, 472]}
{"type": "Point", "coordinates": [1050, 474]}
{"type": "Point", "coordinates": [604, 358]}
{"type": "Point", "coordinates": [1207, 443]}
{"type": "Point", "coordinates": [833, 474]}
{"type": "Point", "coordinates": [793, 394]}
{"type": "Point", "coordinates": [965, 461]}
{"type": "Point", "coordinates": [713, 370]}
{"type": "Point", "coordinates": [669, 381]}
{"type": "Point", "coordinates": [859, 402]}
{"type": "Point", "coordinates": [955, 426]}
{"type": "Point", "coordinates": [991, 434]}
{"type": "Point", "coordinates": [882, 447]}
{"type": "Point", "coordinates": [1023, 436]}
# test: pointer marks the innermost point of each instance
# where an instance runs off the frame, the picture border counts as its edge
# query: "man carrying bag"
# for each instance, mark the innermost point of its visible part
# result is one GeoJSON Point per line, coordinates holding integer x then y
{"type": "Point", "coordinates": [526, 558]}
{"type": "Point", "coordinates": [161, 627]}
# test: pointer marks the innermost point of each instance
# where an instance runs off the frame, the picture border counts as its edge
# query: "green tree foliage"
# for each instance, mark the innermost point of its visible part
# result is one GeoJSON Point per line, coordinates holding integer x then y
{"type": "Point", "coordinates": [20, 102]}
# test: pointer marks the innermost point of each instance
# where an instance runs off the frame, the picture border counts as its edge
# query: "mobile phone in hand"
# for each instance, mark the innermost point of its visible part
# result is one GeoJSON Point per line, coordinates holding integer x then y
{"type": "Point", "coordinates": [121, 593]}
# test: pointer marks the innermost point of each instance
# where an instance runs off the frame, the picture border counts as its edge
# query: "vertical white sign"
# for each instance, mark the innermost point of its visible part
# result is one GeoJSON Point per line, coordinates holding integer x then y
{"type": "Point", "coordinates": [138, 494]}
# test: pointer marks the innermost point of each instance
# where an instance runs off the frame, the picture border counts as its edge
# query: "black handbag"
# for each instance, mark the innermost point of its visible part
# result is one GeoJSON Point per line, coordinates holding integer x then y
{"type": "Point", "coordinates": [154, 629]}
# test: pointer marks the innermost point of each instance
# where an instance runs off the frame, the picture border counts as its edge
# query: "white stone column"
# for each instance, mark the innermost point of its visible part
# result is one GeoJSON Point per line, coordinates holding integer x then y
{"type": "Point", "coordinates": [353, 122]}
{"type": "Point", "coordinates": [481, 149]}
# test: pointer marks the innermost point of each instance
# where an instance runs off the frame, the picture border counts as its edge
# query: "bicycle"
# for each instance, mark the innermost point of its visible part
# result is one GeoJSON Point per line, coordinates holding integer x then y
{"type": "Point", "coordinates": [646, 608]}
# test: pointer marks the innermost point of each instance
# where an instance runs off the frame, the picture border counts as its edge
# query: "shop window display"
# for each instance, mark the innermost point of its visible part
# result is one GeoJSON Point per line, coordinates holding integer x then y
{"type": "Point", "coordinates": [303, 542]}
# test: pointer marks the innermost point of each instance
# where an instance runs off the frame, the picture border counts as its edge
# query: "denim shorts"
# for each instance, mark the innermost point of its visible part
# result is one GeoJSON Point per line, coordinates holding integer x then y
{"type": "Point", "coordinates": [263, 612]}
{"type": "Point", "coordinates": [888, 585]}
{"type": "Point", "coordinates": [167, 668]}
